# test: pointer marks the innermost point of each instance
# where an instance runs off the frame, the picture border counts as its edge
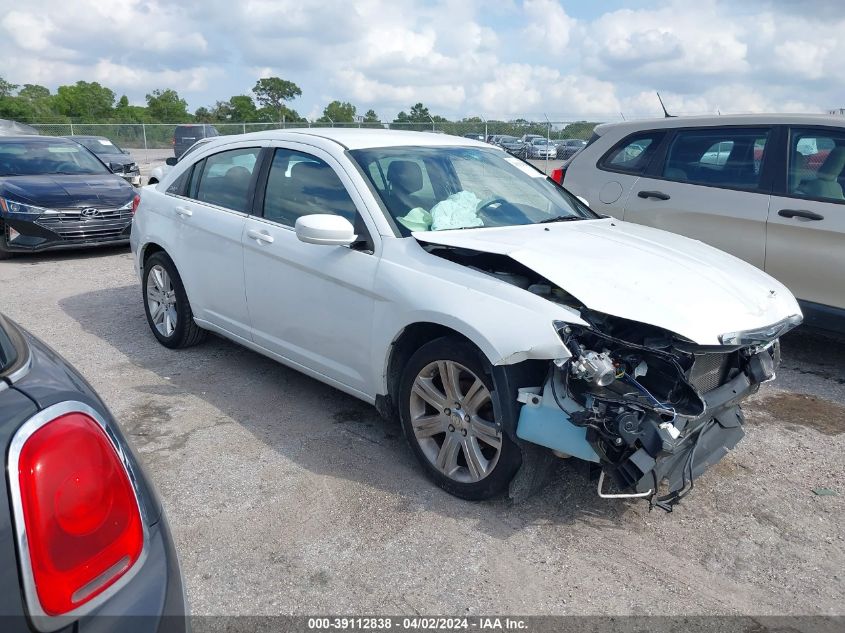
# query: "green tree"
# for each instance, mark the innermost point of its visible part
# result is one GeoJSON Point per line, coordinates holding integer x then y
{"type": "Point", "coordinates": [243, 109]}
{"type": "Point", "coordinates": [371, 117]}
{"type": "Point", "coordinates": [85, 101]}
{"type": "Point", "coordinates": [7, 89]}
{"type": "Point", "coordinates": [337, 112]}
{"type": "Point", "coordinates": [166, 106]}
{"type": "Point", "coordinates": [203, 115]}
{"type": "Point", "coordinates": [273, 92]}
{"type": "Point", "coordinates": [34, 92]}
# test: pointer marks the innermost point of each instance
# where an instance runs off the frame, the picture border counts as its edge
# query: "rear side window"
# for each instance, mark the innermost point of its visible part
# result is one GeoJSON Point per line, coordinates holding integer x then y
{"type": "Point", "coordinates": [817, 164]}
{"type": "Point", "coordinates": [719, 157]}
{"type": "Point", "coordinates": [225, 178]}
{"type": "Point", "coordinates": [301, 184]}
{"type": "Point", "coordinates": [633, 153]}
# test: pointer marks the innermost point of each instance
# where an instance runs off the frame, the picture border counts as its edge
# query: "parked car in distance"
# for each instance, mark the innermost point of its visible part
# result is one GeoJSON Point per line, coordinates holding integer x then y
{"type": "Point", "coordinates": [117, 159]}
{"type": "Point", "coordinates": [477, 300]}
{"type": "Point", "coordinates": [84, 532]}
{"type": "Point", "coordinates": [13, 128]}
{"type": "Point", "coordinates": [540, 148]}
{"type": "Point", "coordinates": [158, 172]}
{"type": "Point", "coordinates": [767, 188]}
{"type": "Point", "coordinates": [186, 135]}
{"type": "Point", "coordinates": [511, 144]}
{"type": "Point", "coordinates": [567, 148]}
{"type": "Point", "coordinates": [475, 137]}
{"type": "Point", "coordinates": [54, 193]}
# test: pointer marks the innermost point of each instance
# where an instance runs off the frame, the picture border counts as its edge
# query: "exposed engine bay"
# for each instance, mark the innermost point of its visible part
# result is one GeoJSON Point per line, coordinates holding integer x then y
{"type": "Point", "coordinates": [652, 408]}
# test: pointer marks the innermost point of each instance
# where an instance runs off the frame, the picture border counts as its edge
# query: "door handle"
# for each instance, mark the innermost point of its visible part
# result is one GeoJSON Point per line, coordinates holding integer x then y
{"type": "Point", "coordinates": [261, 236]}
{"type": "Point", "coordinates": [653, 194]}
{"type": "Point", "coordinates": [800, 213]}
{"type": "Point", "coordinates": [185, 212]}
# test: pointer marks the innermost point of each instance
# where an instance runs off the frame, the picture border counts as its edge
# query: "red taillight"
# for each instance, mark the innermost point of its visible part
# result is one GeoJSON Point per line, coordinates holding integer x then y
{"type": "Point", "coordinates": [83, 524]}
{"type": "Point", "coordinates": [135, 202]}
{"type": "Point", "coordinates": [558, 174]}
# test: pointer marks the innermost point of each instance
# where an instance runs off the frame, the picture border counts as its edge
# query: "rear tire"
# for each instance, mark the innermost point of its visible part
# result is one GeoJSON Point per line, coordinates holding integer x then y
{"type": "Point", "coordinates": [446, 405]}
{"type": "Point", "coordinates": [166, 305]}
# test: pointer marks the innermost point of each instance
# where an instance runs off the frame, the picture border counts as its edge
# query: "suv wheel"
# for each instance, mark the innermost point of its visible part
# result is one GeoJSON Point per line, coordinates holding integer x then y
{"type": "Point", "coordinates": [166, 304]}
{"type": "Point", "coordinates": [446, 402]}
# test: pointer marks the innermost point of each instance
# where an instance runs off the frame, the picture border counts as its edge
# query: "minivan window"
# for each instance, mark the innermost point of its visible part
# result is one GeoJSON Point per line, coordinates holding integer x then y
{"type": "Point", "coordinates": [633, 154]}
{"type": "Point", "coordinates": [301, 184]}
{"type": "Point", "coordinates": [719, 157]}
{"type": "Point", "coordinates": [816, 164]}
{"type": "Point", "coordinates": [225, 178]}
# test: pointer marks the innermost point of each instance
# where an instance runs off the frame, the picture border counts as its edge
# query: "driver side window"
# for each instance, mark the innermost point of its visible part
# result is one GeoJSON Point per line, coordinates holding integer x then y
{"type": "Point", "coordinates": [301, 184]}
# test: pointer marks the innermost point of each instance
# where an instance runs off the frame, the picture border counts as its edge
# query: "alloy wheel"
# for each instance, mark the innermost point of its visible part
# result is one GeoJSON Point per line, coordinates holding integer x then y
{"type": "Point", "coordinates": [161, 300]}
{"type": "Point", "coordinates": [453, 421]}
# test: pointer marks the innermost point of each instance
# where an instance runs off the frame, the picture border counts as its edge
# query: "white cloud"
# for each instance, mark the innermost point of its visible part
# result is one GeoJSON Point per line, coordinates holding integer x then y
{"type": "Point", "coordinates": [459, 57]}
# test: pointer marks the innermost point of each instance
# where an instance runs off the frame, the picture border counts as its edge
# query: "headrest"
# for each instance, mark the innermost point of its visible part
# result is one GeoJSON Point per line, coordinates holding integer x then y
{"type": "Point", "coordinates": [405, 175]}
{"type": "Point", "coordinates": [832, 166]}
{"type": "Point", "coordinates": [309, 174]}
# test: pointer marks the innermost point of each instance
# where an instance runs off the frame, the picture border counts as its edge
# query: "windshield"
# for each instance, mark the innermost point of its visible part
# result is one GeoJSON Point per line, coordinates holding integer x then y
{"type": "Point", "coordinates": [100, 145]}
{"type": "Point", "coordinates": [31, 158]}
{"type": "Point", "coordinates": [440, 188]}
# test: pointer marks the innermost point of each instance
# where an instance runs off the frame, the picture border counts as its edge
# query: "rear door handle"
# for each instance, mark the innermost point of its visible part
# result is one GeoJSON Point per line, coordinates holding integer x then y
{"type": "Point", "coordinates": [800, 213]}
{"type": "Point", "coordinates": [185, 212]}
{"type": "Point", "coordinates": [261, 236]}
{"type": "Point", "coordinates": [653, 194]}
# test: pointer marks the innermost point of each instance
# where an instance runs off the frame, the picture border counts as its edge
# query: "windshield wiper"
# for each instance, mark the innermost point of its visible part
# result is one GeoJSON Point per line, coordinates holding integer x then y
{"type": "Point", "coordinates": [561, 218]}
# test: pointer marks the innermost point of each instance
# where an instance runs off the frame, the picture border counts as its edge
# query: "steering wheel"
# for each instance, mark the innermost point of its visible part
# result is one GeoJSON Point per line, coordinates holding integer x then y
{"type": "Point", "coordinates": [508, 213]}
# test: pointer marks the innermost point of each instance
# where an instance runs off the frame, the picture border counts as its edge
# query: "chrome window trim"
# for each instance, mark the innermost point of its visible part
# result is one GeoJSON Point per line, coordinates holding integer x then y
{"type": "Point", "coordinates": [41, 620]}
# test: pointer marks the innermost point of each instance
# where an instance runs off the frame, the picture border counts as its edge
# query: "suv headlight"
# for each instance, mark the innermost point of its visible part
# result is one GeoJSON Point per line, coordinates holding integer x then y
{"type": "Point", "coordinates": [763, 335]}
{"type": "Point", "coordinates": [19, 210]}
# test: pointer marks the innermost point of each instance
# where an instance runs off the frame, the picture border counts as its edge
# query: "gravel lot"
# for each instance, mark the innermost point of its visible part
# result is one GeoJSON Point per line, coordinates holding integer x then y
{"type": "Point", "coordinates": [286, 496]}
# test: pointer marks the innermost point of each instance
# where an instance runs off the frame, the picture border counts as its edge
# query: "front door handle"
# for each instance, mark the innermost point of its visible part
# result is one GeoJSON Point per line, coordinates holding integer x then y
{"type": "Point", "coordinates": [653, 194]}
{"type": "Point", "coordinates": [800, 213]}
{"type": "Point", "coordinates": [185, 212]}
{"type": "Point", "coordinates": [261, 236]}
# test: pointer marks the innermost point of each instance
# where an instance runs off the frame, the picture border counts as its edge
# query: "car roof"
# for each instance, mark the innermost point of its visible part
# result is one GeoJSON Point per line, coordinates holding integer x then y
{"type": "Point", "coordinates": [87, 136]}
{"type": "Point", "coordinates": [358, 138]}
{"type": "Point", "coordinates": [32, 138]}
{"type": "Point", "coordinates": [726, 119]}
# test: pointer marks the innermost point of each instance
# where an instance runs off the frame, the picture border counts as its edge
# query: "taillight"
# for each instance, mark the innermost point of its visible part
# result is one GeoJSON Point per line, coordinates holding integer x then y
{"type": "Point", "coordinates": [135, 202]}
{"type": "Point", "coordinates": [558, 174]}
{"type": "Point", "coordinates": [78, 522]}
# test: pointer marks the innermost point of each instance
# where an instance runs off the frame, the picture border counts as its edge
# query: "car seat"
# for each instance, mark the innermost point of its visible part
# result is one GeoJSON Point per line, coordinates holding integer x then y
{"type": "Point", "coordinates": [404, 179]}
{"type": "Point", "coordinates": [826, 183]}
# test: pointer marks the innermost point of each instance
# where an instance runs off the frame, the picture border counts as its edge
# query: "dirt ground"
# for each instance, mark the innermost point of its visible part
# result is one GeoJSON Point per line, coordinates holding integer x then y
{"type": "Point", "coordinates": [286, 496]}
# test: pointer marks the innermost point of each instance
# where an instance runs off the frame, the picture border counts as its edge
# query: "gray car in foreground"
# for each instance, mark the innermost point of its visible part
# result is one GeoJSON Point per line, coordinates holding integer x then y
{"type": "Point", "coordinates": [84, 544]}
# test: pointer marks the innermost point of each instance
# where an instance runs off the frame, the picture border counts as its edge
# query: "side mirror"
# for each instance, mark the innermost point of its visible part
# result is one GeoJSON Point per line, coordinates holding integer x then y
{"type": "Point", "coordinates": [325, 229]}
{"type": "Point", "coordinates": [171, 160]}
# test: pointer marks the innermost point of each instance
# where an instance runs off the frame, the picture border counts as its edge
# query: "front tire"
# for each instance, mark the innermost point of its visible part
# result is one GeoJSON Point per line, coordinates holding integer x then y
{"type": "Point", "coordinates": [166, 305]}
{"type": "Point", "coordinates": [447, 409]}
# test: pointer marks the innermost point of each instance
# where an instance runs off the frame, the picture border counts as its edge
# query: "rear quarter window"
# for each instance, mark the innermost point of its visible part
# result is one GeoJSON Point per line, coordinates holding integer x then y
{"type": "Point", "coordinates": [633, 153]}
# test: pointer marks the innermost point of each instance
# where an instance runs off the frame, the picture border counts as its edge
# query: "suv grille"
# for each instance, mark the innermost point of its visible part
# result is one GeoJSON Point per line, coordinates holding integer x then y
{"type": "Point", "coordinates": [708, 371]}
{"type": "Point", "coordinates": [72, 226]}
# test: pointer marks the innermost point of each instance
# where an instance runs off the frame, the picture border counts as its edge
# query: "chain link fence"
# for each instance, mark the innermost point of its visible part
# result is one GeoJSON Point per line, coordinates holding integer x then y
{"type": "Point", "coordinates": [151, 143]}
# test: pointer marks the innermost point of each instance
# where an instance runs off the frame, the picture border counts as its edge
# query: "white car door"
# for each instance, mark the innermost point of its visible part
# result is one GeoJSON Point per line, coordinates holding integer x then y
{"type": "Point", "coordinates": [709, 187]}
{"type": "Point", "coordinates": [209, 223]}
{"type": "Point", "coordinates": [310, 305]}
{"type": "Point", "coordinates": [806, 232]}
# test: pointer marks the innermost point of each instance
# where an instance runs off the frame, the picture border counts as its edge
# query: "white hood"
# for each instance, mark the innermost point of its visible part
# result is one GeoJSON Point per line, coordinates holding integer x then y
{"type": "Point", "coordinates": [639, 273]}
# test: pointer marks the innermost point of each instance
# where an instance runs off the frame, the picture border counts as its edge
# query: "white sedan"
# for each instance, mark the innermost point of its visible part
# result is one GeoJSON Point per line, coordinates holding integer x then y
{"type": "Point", "coordinates": [457, 288]}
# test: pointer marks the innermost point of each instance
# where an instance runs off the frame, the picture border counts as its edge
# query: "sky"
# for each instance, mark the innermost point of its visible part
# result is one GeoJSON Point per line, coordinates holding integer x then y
{"type": "Point", "coordinates": [563, 60]}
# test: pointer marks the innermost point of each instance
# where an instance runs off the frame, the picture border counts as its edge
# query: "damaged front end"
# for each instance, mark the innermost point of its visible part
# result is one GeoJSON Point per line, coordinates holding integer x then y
{"type": "Point", "coordinates": [652, 409]}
